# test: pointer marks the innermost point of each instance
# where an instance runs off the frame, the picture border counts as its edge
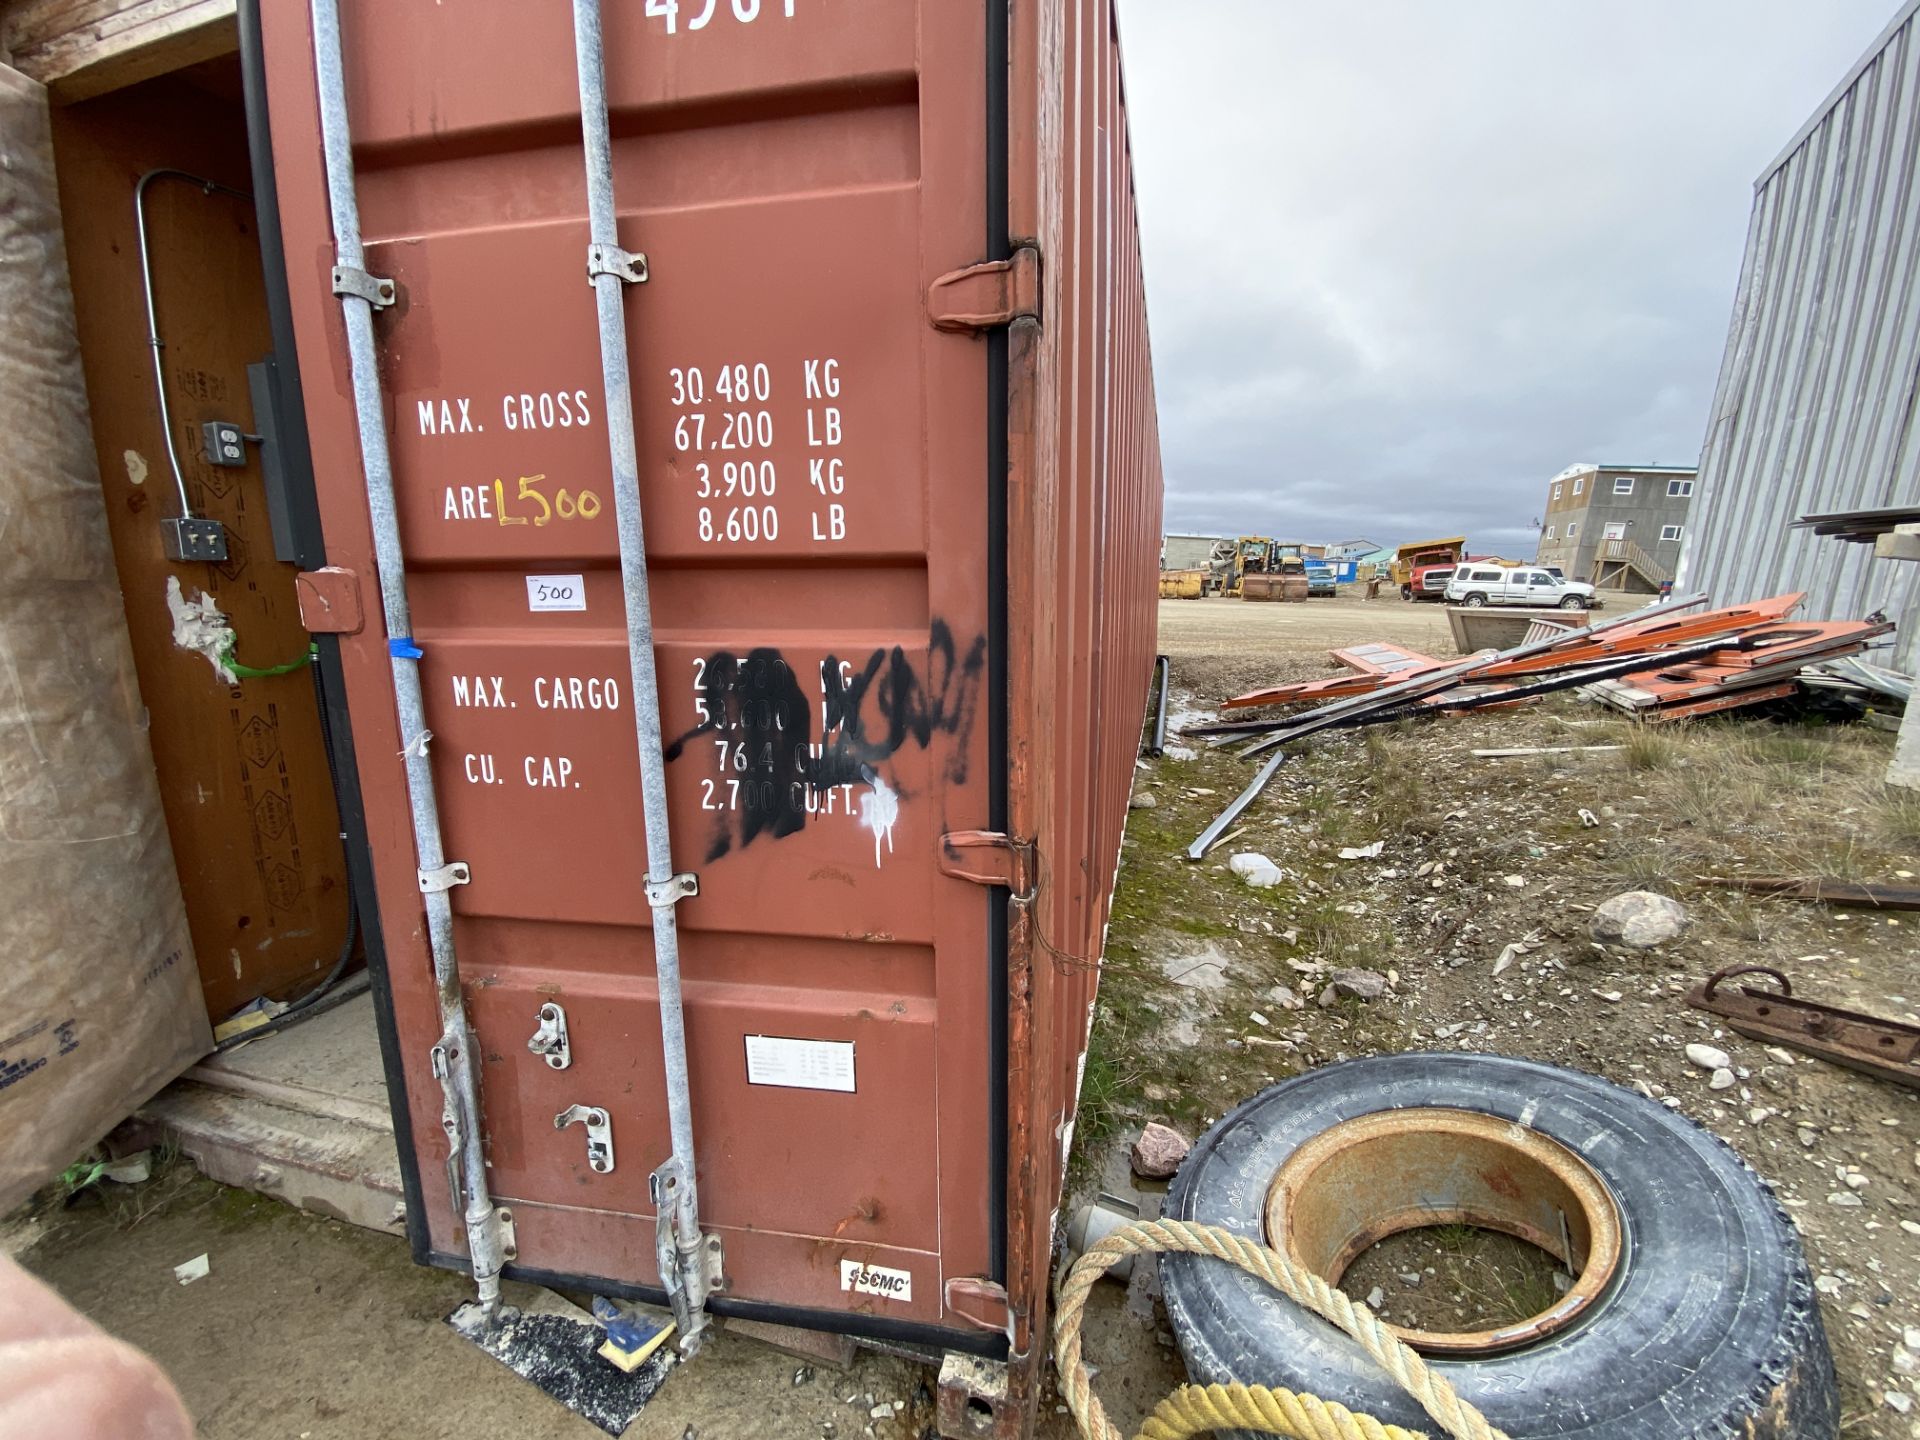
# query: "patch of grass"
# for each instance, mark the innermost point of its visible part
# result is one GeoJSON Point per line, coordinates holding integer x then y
{"type": "Point", "coordinates": [1455, 1239]}
{"type": "Point", "coordinates": [1107, 1094]}
{"type": "Point", "coordinates": [1650, 866]}
{"type": "Point", "coordinates": [1341, 939]}
{"type": "Point", "coordinates": [1201, 926]}
{"type": "Point", "coordinates": [1527, 1292]}
{"type": "Point", "coordinates": [1397, 797]}
{"type": "Point", "coordinates": [1649, 748]}
{"type": "Point", "coordinates": [1742, 918]}
{"type": "Point", "coordinates": [1811, 854]}
{"type": "Point", "coordinates": [1792, 745]}
{"type": "Point", "coordinates": [125, 1207]}
{"type": "Point", "coordinates": [1331, 810]}
{"type": "Point", "coordinates": [1720, 794]}
{"type": "Point", "coordinates": [1894, 814]}
{"type": "Point", "coordinates": [1158, 887]}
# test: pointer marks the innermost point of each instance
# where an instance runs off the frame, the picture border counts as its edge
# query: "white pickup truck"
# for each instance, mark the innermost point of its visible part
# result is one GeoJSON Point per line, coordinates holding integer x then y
{"type": "Point", "coordinates": [1522, 585]}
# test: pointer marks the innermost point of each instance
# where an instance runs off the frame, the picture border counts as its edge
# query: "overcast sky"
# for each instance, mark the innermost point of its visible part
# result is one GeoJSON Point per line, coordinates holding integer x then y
{"type": "Point", "coordinates": [1406, 259]}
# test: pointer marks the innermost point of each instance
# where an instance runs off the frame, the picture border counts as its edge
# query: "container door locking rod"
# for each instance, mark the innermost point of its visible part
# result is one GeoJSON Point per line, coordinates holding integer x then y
{"type": "Point", "coordinates": [488, 1227]}
{"type": "Point", "coordinates": [690, 1262]}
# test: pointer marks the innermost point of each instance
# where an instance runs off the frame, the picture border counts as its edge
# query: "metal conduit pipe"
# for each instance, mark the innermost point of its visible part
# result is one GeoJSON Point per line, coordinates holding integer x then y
{"type": "Point", "coordinates": [454, 1058]}
{"type": "Point", "coordinates": [690, 1262]}
{"type": "Point", "coordinates": [1163, 681]}
{"type": "Point", "coordinates": [154, 343]}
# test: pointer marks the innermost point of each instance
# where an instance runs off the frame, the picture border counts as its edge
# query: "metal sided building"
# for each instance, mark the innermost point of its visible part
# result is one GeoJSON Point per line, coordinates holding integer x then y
{"type": "Point", "coordinates": [1818, 403]}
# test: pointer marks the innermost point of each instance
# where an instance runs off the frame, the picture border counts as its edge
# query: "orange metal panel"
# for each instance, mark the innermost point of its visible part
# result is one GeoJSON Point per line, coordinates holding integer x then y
{"type": "Point", "coordinates": [1656, 633]}
{"type": "Point", "coordinates": [1727, 700]}
{"type": "Point", "coordinates": [815, 435]}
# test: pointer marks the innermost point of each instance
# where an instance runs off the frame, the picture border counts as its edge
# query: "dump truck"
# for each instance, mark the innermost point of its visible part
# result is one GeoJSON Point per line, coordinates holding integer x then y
{"type": "Point", "coordinates": [1422, 568]}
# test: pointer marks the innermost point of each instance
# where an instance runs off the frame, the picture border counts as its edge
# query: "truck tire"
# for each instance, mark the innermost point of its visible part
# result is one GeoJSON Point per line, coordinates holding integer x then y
{"type": "Point", "coordinates": [1573, 602]}
{"type": "Point", "coordinates": [1476, 600]}
{"type": "Point", "coordinates": [1406, 592]}
{"type": "Point", "coordinates": [1704, 1327]}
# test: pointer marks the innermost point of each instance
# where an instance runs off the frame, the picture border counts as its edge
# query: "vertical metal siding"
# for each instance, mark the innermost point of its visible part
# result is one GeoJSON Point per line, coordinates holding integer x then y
{"type": "Point", "coordinates": [1084, 525]}
{"type": "Point", "coordinates": [1815, 409]}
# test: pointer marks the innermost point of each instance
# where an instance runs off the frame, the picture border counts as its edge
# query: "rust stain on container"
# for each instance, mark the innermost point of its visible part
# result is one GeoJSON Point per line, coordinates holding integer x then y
{"type": "Point", "coordinates": [902, 517]}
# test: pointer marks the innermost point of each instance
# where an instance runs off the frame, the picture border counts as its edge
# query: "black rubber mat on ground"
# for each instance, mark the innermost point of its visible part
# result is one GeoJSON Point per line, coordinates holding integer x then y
{"type": "Point", "coordinates": [557, 1353]}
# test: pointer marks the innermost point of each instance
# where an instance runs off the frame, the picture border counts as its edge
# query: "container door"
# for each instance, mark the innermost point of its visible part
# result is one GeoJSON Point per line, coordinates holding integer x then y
{"type": "Point", "coordinates": [814, 482]}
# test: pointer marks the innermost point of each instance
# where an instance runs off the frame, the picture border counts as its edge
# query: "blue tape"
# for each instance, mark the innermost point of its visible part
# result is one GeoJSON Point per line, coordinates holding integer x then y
{"type": "Point", "coordinates": [401, 647]}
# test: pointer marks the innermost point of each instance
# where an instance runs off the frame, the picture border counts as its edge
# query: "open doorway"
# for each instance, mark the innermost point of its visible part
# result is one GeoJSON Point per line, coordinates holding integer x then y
{"type": "Point", "coordinates": [201, 460]}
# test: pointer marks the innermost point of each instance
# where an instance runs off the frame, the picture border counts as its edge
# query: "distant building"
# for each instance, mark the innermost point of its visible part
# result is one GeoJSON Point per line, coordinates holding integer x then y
{"type": "Point", "coordinates": [1814, 411]}
{"type": "Point", "coordinates": [1353, 550]}
{"type": "Point", "coordinates": [1617, 526]}
{"type": "Point", "coordinates": [1187, 552]}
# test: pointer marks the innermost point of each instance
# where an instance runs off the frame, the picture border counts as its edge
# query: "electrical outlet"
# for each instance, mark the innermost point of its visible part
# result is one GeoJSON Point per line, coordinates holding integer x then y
{"type": "Point", "coordinates": [194, 538]}
{"type": "Point", "coordinates": [224, 443]}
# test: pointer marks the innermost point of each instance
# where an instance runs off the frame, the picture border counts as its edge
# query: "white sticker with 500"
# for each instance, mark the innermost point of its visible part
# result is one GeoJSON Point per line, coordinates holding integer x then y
{"type": "Point", "coordinates": [556, 592]}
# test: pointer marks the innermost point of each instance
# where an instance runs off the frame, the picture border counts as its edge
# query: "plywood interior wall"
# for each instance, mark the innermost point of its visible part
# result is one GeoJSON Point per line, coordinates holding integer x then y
{"type": "Point", "coordinates": [243, 773]}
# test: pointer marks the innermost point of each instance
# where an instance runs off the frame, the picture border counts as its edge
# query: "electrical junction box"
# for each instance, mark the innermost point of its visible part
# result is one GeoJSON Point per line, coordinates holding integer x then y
{"type": "Point", "coordinates": [223, 443]}
{"type": "Point", "coordinates": [190, 537]}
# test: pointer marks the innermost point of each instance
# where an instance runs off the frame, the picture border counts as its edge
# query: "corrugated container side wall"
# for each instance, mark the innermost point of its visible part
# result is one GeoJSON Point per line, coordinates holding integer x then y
{"type": "Point", "coordinates": [1816, 404]}
{"type": "Point", "coordinates": [1084, 509]}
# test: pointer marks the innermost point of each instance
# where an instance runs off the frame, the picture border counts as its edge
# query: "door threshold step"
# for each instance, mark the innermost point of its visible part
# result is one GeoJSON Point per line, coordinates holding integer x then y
{"type": "Point", "coordinates": [290, 1095]}
{"type": "Point", "coordinates": [319, 1162]}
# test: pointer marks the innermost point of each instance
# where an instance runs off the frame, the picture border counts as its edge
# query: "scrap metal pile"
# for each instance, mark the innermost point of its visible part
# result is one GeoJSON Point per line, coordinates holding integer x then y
{"type": "Point", "coordinates": [1661, 663]}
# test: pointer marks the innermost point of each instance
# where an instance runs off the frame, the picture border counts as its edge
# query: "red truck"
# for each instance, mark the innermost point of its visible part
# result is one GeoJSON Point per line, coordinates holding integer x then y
{"type": "Point", "coordinates": [1422, 568]}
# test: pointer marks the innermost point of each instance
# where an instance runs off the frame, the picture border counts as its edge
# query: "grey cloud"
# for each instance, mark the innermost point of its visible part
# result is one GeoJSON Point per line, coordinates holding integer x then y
{"type": "Point", "coordinates": [1407, 260]}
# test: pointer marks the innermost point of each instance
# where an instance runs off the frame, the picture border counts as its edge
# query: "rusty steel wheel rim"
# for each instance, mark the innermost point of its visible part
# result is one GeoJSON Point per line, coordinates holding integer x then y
{"type": "Point", "coordinates": [1376, 1175]}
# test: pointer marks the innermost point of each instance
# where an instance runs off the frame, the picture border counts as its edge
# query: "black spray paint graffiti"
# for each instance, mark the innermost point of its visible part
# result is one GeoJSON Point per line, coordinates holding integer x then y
{"type": "Point", "coordinates": [772, 773]}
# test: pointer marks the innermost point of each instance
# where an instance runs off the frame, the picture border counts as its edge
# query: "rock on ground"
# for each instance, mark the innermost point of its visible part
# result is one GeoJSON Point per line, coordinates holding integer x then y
{"type": "Point", "coordinates": [1256, 869]}
{"type": "Point", "coordinates": [1360, 984]}
{"type": "Point", "coordinates": [1159, 1151]}
{"type": "Point", "coordinates": [1639, 918]}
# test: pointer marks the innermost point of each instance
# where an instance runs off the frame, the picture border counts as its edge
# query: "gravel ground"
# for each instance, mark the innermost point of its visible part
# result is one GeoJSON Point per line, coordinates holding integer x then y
{"type": "Point", "coordinates": [308, 1329]}
{"type": "Point", "coordinates": [1477, 856]}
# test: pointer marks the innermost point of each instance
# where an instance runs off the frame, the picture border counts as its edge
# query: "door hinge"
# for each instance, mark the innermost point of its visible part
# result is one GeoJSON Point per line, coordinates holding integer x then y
{"type": "Point", "coordinates": [330, 601]}
{"type": "Point", "coordinates": [980, 1302]}
{"type": "Point", "coordinates": [986, 857]}
{"type": "Point", "coordinates": [984, 296]}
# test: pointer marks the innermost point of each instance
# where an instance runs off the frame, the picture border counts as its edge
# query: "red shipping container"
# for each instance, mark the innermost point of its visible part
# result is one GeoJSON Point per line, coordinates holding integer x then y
{"type": "Point", "coordinates": [901, 483]}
